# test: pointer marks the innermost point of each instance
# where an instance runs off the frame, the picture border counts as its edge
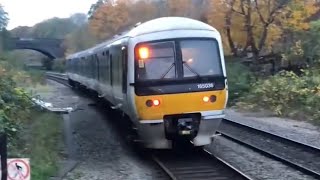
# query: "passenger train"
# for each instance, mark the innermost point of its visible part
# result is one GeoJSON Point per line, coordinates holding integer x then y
{"type": "Point", "coordinates": [167, 75]}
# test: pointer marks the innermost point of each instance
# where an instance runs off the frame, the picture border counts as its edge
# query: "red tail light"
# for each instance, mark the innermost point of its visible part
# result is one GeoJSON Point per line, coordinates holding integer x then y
{"type": "Point", "coordinates": [149, 103]}
{"type": "Point", "coordinates": [154, 102]}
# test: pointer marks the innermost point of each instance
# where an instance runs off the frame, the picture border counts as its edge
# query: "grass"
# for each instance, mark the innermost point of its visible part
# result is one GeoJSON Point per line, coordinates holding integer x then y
{"type": "Point", "coordinates": [41, 140]}
{"type": "Point", "coordinates": [39, 134]}
{"type": "Point", "coordinates": [46, 137]}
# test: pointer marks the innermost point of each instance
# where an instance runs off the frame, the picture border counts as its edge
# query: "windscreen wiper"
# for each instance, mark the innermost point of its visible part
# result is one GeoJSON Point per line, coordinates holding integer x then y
{"type": "Point", "coordinates": [194, 72]}
{"type": "Point", "coordinates": [164, 75]}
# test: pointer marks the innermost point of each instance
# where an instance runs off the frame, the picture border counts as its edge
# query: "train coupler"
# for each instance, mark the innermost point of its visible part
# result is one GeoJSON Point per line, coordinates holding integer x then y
{"type": "Point", "coordinates": [184, 126]}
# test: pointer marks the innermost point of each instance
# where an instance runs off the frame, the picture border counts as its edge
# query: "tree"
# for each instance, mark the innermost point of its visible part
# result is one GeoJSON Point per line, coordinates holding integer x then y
{"type": "Point", "coordinates": [79, 19]}
{"type": "Point", "coordinates": [4, 35]}
{"type": "Point", "coordinates": [142, 11]}
{"type": "Point", "coordinates": [79, 40]}
{"type": "Point", "coordinates": [3, 18]}
{"type": "Point", "coordinates": [47, 63]}
{"type": "Point", "coordinates": [95, 6]}
{"type": "Point", "coordinates": [22, 31]}
{"type": "Point", "coordinates": [111, 18]}
{"type": "Point", "coordinates": [255, 24]}
{"type": "Point", "coordinates": [53, 28]}
{"type": "Point", "coordinates": [179, 7]}
{"type": "Point", "coordinates": [311, 43]}
{"type": "Point", "coordinates": [300, 14]}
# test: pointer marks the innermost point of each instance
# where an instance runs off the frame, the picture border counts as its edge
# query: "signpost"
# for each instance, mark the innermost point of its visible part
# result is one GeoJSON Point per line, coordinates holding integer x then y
{"type": "Point", "coordinates": [3, 156]}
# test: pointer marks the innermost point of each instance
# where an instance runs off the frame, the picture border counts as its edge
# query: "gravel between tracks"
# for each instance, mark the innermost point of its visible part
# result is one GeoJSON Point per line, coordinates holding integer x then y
{"type": "Point", "coordinates": [252, 163]}
{"type": "Point", "coordinates": [94, 143]}
{"type": "Point", "coordinates": [297, 130]}
{"type": "Point", "coordinates": [294, 154]}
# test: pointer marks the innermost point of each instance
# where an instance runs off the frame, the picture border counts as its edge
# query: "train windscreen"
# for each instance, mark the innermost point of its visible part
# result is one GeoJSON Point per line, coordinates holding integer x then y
{"type": "Point", "coordinates": [157, 61]}
{"type": "Point", "coordinates": [178, 59]}
{"type": "Point", "coordinates": [200, 58]}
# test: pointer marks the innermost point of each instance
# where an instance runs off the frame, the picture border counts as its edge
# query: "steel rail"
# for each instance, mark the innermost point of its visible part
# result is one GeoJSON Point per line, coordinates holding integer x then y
{"type": "Point", "coordinates": [197, 165]}
{"type": "Point", "coordinates": [301, 149]}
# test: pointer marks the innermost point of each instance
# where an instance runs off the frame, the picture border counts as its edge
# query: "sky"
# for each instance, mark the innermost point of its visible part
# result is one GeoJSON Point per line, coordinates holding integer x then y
{"type": "Point", "coordinates": [30, 12]}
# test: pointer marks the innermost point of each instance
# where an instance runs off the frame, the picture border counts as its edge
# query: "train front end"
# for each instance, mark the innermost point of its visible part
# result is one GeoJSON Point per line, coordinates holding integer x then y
{"type": "Point", "coordinates": [180, 89]}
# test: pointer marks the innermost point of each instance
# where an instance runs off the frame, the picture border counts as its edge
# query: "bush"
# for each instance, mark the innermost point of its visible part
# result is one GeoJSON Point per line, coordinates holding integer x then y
{"type": "Point", "coordinates": [14, 105]}
{"type": "Point", "coordinates": [59, 65]}
{"type": "Point", "coordinates": [239, 80]}
{"type": "Point", "coordinates": [287, 94]}
{"type": "Point", "coordinates": [31, 132]}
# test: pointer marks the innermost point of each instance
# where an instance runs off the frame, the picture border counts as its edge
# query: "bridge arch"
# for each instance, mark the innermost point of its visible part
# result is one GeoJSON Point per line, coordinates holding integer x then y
{"type": "Point", "coordinates": [53, 48]}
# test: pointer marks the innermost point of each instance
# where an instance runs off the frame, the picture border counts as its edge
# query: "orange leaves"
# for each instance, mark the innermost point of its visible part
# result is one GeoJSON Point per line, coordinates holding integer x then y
{"type": "Point", "coordinates": [258, 23]}
{"type": "Point", "coordinates": [142, 11]}
{"type": "Point", "coordinates": [110, 18]}
{"type": "Point", "coordinates": [299, 12]}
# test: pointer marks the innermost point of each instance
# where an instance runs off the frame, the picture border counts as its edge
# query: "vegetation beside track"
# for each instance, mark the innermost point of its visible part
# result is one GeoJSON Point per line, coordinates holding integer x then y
{"type": "Point", "coordinates": [31, 132]}
{"type": "Point", "coordinates": [290, 93]}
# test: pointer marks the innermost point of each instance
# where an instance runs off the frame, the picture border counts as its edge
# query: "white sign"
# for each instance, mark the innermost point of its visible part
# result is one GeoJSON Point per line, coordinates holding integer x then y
{"type": "Point", "coordinates": [18, 169]}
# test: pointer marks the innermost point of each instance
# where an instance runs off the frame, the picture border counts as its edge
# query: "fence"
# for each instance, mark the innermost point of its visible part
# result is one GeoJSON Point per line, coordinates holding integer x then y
{"type": "Point", "coordinates": [3, 155]}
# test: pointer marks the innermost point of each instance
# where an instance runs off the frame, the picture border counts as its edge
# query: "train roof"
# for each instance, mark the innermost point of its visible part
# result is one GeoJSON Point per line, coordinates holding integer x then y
{"type": "Point", "coordinates": [155, 25]}
{"type": "Point", "coordinates": [169, 23]}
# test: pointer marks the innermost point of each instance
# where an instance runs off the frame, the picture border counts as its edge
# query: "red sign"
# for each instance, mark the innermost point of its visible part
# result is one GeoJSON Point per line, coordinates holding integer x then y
{"type": "Point", "coordinates": [18, 169]}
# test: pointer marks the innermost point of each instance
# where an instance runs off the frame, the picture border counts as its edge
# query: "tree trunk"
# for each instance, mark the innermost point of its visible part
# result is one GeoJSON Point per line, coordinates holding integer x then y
{"type": "Point", "coordinates": [228, 30]}
{"type": "Point", "coordinates": [263, 36]}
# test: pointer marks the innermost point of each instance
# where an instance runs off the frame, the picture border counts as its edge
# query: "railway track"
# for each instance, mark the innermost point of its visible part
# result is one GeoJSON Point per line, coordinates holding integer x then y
{"type": "Point", "coordinates": [202, 165]}
{"type": "Point", "coordinates": [58, 77]}
{"type": "Point", "coordinates": [302, 157]}
{"type": "Point", "coordinates": [199, 164]}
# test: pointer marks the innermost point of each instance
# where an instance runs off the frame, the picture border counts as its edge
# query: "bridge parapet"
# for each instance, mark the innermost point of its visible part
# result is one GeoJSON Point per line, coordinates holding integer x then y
{"type": "Point", "coordinates": [53, 48]}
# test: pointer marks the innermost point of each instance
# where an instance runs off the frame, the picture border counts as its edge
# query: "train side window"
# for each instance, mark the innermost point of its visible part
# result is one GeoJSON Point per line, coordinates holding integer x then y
{"type": "Point", "coordinates": [110, 70]}
{"type": "Point", "coordinates": [106, 67]}
{"type": "Point", "coordinates": [124, 69]}
{"type": "Point", "coordinates": [96, 60]}
{"type": "Point", "coordinates": [93, 65]}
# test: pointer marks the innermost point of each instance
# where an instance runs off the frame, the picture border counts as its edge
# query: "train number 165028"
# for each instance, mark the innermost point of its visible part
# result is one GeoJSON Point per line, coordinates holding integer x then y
{"type": "Point", "coordinates": [205, 86]}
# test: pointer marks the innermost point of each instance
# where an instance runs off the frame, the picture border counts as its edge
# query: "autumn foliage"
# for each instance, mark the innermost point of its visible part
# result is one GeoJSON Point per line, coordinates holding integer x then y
{"type": "Point", "coordinates": [257, 24]}
{"type": "Point", "coordinates": [110, 18]}
{"type": "Point", "coordinates": [245, 25]}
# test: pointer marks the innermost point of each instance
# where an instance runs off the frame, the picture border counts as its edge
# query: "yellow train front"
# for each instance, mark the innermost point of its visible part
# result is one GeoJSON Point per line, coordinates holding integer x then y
{"type": "Point", "coordinates": [180, 86]}
{"type": "Point", "coordinates": [167, 75]}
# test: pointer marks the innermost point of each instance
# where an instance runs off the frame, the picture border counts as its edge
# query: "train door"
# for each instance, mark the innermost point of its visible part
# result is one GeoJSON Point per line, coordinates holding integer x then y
{"type": "Point", "coordinates": [118, 80]}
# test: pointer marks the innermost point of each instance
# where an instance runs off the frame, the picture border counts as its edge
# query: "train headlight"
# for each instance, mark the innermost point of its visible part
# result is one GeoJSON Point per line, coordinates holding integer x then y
{"type": "Point", "coordinates": [144, 53]}
{"type": "Point", "coordinates": [156, 102]}
{"type": "Point", "coordinates": [212, 99]}
{"type": "Point", "coordinates": [205, 99]}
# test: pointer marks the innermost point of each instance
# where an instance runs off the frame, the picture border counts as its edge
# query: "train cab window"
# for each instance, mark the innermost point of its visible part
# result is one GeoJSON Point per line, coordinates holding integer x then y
{"type": "Point", "coordinates": [156, 61]}
{"type": "Point", "coordinates": [200, 58]}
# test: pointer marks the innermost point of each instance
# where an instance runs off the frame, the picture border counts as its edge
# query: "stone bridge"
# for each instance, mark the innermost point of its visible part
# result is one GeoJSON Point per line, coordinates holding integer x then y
{"type": "Point", "coordinates": [53, 48]}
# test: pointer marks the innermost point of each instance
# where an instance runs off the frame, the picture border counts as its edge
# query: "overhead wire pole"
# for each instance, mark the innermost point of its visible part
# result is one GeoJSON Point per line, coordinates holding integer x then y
{"type": "Point", "coordinates": [3, 154]}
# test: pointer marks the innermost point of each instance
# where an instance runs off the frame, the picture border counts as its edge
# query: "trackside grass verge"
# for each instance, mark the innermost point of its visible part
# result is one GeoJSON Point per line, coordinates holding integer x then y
{"type": "Point", "coordinates": [40, 140]}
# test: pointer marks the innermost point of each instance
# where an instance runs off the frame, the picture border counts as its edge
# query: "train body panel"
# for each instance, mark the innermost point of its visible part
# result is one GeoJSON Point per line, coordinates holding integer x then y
{"type": "Point", "coordinates": [180, 104]}
{"type": "Point", "coordinates": [168, 75]}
